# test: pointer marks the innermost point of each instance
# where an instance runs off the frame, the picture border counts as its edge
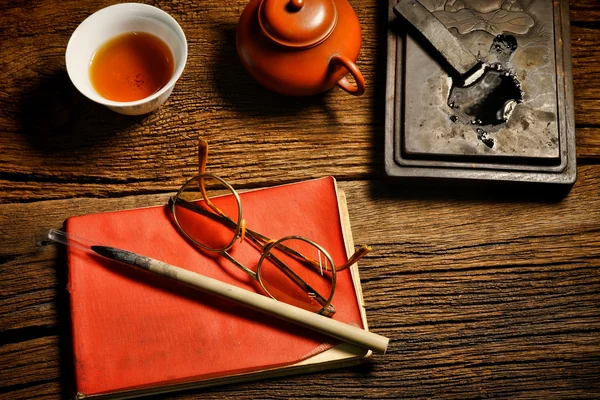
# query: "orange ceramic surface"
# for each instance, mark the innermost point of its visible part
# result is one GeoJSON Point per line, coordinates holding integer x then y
{"type": "Point", "coordinates": [301, 47]}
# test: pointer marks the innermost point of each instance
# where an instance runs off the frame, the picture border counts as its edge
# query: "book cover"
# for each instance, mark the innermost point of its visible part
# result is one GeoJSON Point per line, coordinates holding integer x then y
{"type": "Point", "coordinates": [135, 334]}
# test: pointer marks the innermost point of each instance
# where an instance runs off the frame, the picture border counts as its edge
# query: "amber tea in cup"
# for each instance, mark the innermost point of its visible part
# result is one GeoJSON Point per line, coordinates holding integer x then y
{"type": "Point", "coordinates": [131, 66]}
{"type": "Point", "coordinates": [159, 64]}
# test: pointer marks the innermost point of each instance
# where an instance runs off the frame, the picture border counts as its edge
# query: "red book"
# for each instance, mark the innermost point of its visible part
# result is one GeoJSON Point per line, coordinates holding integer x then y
{"type": "Point", "coordinates": [137, 334]}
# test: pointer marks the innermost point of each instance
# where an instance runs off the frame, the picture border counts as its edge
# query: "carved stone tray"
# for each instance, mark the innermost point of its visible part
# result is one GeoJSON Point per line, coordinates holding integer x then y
{"type": "Point", "coordinates": [424, 139]}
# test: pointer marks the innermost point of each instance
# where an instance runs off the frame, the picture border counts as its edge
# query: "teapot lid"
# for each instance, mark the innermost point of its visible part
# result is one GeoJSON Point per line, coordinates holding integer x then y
{"type": "Point", "coordinates": [297, 23]}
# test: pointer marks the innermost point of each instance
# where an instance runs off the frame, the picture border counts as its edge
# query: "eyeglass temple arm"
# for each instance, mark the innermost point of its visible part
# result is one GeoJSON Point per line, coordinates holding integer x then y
{"type": "Point", "coordinates": [260, 240]}
{"type": "Point", "coordinates": [202, 155]}
{"type": "Point", "coordinates": [202, 161]}
{"type": "Point", "coordinates": [239, 264]}
{"type": "Point", "coordinates": [357, 255]}
{"type": "Point", "coordinates": [224, 219]}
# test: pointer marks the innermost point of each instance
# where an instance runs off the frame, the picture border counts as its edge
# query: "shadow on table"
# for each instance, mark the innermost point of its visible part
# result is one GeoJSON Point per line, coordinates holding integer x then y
{"type": "Point", "coordinates": [237, 87]}
{"type": "Point", "coordinates": [63, 320]}
{"type": "Point", "coordinates": [265, 385]}
{"type": "Point", "coordinates": [57, 119]}
{"type": "Point", "coordinates": [492, 192]}
{"type": "Point", "coordinates": [379, 87]}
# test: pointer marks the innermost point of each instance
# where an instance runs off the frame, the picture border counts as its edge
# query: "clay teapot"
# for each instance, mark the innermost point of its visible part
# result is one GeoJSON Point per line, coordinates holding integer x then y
{"type": "Point", "coordinates": [301, 47]}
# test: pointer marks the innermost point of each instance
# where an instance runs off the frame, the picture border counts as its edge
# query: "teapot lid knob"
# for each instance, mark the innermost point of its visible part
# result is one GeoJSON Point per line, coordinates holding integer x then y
{"type": "Point", "coordinates": [297, 23]}
{"type": "Point", "coordinates": [296, 4]}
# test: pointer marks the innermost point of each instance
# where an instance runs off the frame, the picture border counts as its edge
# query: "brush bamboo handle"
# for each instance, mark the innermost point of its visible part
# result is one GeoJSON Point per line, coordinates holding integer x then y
{"type": "Point", "coordinates": [339, 330]}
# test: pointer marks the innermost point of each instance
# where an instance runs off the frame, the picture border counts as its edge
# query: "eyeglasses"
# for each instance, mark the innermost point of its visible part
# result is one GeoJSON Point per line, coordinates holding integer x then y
{"type": "Point", "coordinates": [293, 269]}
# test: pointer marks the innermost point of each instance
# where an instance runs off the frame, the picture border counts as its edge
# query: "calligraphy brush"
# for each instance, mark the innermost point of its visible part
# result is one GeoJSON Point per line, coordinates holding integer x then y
{"type": "Point", "coordinates": [336, 329]}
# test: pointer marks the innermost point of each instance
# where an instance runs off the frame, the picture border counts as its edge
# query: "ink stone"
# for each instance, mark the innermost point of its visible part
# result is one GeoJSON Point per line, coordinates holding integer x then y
{"type": "Point", "coordinates": [511, 121]}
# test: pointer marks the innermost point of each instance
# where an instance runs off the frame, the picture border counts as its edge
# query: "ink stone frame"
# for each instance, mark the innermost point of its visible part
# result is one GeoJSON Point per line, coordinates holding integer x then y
{"type": "Point", "coordinates": [410, 159]}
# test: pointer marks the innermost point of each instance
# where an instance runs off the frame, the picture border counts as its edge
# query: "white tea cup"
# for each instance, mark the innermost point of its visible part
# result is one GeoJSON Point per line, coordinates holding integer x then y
{"type": "Point", "coordinates": [110, 22]}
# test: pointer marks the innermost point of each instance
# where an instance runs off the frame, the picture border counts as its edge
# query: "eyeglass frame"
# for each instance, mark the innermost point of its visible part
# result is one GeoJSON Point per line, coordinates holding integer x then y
{"type": "Point", "coordinates": [241, 232]}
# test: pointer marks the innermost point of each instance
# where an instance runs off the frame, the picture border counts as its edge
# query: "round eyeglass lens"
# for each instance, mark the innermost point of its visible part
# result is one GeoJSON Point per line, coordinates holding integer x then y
{"type": "Point", "coordinates": [208, 211]}
{"type": "Point", "coordinates": [298, 272]}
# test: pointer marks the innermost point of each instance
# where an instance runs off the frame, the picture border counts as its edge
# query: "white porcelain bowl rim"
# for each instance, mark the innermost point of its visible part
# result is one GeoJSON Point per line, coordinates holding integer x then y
{"type": "Point", "coordinates": [180, 63]}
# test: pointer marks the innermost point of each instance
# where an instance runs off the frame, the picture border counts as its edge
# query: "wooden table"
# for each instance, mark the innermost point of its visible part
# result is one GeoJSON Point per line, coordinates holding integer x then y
{"type": "Point", "coordinates": [482, 294]}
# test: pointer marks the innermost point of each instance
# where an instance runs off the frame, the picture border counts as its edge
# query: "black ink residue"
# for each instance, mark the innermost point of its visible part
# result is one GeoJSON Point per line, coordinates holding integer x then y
{"type": "Point", "coordinates": [502, 48]}
{"type": "Point", "coordinates": [483, 136]}
{"type": "Point", "coordinates": [485, 101]}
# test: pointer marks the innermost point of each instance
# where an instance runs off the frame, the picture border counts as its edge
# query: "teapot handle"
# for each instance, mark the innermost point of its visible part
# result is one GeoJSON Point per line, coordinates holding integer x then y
{"type": "Point", "coordinates": [357, 90]}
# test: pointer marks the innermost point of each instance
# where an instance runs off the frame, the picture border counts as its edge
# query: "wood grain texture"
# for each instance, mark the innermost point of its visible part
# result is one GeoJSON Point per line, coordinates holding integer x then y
{"type": "Point", "coordinates": [585, 55]}
{"type": "Point", "coordinates": [73, 147]}
{"type": "Point", "coordinates": [483, 294]}
{"type": "Point", "coordinates": [507, 293]}
{"type": "Point", "coordinates": [584, 11]}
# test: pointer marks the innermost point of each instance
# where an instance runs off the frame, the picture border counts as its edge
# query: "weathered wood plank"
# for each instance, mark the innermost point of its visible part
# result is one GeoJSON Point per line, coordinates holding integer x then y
{"type": "Point", "coordinates": [482, 295]}
{"type": "Point", "coordinates": [588, 143]}
{"type": "Point", "coordinates": [45, 390]}
{"type": "Point", "coordinates": [75, 148]}
{"type": "Point", "coordinates": [586, 53]}
{"type": "Point", "coordinates": [584, 11]}
{"type": "Point", "coordinates": [450, 368]}
{"type": "Point", "coordinates": [18, 357]}
{"type": "Point", "coordinates": [485, 254]}
{"type": "Point", "coordinates": [424, 277]}
{"type": "Point", "coordinates": [576, 212]}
